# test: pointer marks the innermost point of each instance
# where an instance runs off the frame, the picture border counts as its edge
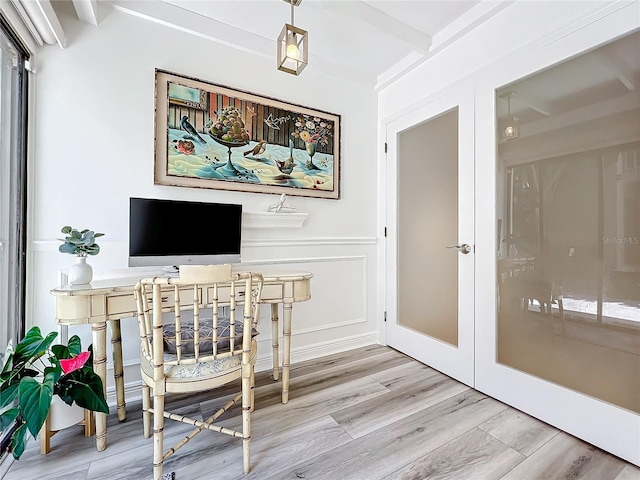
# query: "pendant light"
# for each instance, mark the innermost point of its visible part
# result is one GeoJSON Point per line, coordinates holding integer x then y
{"type": "Point", "coordinates": [510, 129]}
{"type": "Point", "coordinates": [293, 54]}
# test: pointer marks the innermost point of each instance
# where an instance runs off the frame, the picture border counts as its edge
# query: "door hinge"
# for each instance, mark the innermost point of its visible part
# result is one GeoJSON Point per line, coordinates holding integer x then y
{"type": "Point", "coordinates": [385, 232]}
{"type": "Point", "coordinates": [385, 147]}
{"type": "Point", "coordinates": [385, 316]}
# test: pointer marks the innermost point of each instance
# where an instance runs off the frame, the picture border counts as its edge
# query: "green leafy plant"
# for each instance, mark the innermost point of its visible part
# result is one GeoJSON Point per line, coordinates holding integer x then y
{"type": "Point", "coordinates": [34, 372]}
{"type": "Point", "coordinates": [81, 243]}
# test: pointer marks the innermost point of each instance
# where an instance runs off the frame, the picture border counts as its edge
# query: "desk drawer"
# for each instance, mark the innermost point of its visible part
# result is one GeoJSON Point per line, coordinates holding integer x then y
{"type": "Point", "coordinates": [122, 305]}
{"type": "Point", "coordinates": [80, 309]}
{"type": "Point", "coordinates": [269, 292]}
{"type": "Point", "coordinates": [272, 292]}
{"type": "Point", "coordinates": [117, 306]}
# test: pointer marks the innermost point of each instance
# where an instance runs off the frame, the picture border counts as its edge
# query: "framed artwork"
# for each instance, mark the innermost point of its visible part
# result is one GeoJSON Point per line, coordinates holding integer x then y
{"type": "Point", "coordinates": [212, 136]}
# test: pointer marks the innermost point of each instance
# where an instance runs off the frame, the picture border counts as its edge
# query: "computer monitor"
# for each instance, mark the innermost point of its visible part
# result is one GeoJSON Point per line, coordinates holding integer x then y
{"type": "Point", "coordinates": [170, 233]}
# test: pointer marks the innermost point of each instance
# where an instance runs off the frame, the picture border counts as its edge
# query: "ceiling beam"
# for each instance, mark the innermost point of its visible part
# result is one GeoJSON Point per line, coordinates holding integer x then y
{"type": "Point", "coordinates": [532, 101]}
{"type": "Point", "coordinates": [593, 111]}
{"type": "Point", "coordinates": [87, 10]}
{"type": "Point", "coordinates": [358, 11]}
{"type": "Point", "coordinates": [612, 61]}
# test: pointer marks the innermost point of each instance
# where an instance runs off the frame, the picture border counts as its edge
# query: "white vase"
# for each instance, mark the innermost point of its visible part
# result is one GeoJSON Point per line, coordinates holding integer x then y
{"type": "Point", "coordinates": [63, 415]}
{"type": "Point", "coordinates": [80, 273]}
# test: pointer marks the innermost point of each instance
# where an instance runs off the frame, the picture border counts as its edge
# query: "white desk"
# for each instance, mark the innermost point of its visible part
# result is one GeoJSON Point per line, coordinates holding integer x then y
{"type": "Point", "coordinates": [111, 300]}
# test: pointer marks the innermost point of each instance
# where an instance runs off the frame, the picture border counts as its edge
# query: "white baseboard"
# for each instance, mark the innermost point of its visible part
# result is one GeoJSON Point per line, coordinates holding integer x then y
{"type": "Point", "coordinates": [301, 354]}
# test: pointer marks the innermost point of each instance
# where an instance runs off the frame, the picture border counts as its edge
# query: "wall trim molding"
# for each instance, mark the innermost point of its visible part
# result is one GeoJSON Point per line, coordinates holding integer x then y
{"type": "Point", "coordinates": [52, 245]}
{"type": "Point", "coordinates": [289, 261]}
{"type": "Point", "coordinates": [323, 327]}
{"type": "Point", "coordinates": [310, 242]}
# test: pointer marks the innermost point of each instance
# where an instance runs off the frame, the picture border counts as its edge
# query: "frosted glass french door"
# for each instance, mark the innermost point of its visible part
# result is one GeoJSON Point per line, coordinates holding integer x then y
{"type": "Point", "coordinates": [430, 238]}
{"type": "Point", "coordinates": [558, 234]}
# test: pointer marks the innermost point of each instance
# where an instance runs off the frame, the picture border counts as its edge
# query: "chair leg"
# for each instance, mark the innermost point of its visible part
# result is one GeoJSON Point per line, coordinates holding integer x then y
{"type": "Point", "coordinates": [547, 308]}
{"type": "Point", "coordinates": [158, 427]}
{"type": "Point", "coordinates": [246, 421]}
{"type": "Point", "coordinates": [146, 405]}
{"type": "Point", "coordinates": [253, 389]}
{"type": "Point", "coordinates": [561, 311]}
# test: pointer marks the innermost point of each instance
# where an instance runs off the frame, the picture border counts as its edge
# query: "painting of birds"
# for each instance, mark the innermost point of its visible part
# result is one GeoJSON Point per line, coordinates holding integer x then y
{"type": "Point", "coordinates": [257, 150]}
{"type": "Point", "coordinates": [275, 122]}
{"type": "Point", "coordinates": [271, 122]}
{"type": "Point", "coordinates": [287, 165]}
{"type": "Point", "coordinates": [187, 127]}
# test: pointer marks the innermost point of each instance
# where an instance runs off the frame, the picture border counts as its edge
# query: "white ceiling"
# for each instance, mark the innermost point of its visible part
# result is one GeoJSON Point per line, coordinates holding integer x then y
{"type": "Point", "coordinates": [369, 42]}
{"type": "Point", "coordinates": [373, 42]}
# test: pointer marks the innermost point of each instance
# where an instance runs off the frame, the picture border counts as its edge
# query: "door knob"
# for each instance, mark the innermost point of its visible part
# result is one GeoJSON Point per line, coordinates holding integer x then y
{"type": "Point", "coordinates": [463, 248]}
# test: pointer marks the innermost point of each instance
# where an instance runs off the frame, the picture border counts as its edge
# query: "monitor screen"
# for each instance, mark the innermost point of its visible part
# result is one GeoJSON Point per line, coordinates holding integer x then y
{"type": "Point", "coordinates": [171, 232]}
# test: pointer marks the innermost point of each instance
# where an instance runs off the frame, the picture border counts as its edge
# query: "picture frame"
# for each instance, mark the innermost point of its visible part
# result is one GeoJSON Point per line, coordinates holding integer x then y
{"type": "Point", "coordinates": [218, 137]}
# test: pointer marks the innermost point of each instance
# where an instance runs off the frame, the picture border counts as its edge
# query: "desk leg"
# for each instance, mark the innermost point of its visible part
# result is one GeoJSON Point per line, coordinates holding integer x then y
{"type": "Point", "coordinates": [99, 333]}
{"type": "Point", "coordinates": [286, 349]}
{"type": "Point", "coordinates": [274, 341]}
{"type": "Point", "coordinates": [118, 369]}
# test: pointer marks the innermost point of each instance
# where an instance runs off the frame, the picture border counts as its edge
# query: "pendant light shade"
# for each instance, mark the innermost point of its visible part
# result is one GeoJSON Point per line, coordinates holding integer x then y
{"type": "Point", "coordinates": [293, 52]}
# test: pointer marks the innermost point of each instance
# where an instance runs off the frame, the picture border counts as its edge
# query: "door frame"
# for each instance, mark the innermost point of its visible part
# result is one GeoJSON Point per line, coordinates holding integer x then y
{"type": "Point", "coordinates": [457, 362]}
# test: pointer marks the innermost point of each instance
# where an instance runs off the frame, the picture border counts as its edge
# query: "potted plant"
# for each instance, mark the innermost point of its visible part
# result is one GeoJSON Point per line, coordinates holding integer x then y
{"type": "Point", "coordinates": [34, 372]}
{"type": "Point", "coordinates": [80, 243]}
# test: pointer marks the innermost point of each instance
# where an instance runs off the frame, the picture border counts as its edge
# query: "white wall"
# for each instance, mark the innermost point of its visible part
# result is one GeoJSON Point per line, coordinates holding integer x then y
{"type": "Point", "coordinates": [94, 148]}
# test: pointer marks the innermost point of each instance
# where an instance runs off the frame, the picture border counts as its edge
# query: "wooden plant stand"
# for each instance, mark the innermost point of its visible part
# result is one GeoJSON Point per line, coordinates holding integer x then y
{"type": "Point", "coordinates": [46, 433]}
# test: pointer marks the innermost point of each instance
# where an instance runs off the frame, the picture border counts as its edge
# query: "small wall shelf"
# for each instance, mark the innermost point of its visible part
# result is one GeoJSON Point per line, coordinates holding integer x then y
{"type": "Point", "coordinates": [273, 219]}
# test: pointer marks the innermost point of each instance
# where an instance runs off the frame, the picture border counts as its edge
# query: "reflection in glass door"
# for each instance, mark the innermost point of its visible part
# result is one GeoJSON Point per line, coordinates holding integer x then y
{"type": "Point", "coordinates": [569, 270]}
{"type": "Point", "coordinates": [568, 217]}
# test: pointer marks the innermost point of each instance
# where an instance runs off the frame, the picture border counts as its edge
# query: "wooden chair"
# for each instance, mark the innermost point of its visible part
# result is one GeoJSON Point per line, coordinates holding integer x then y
{"type": "Point", "coordinates": [180, 356]}
{"type": "Point", "coordinates": [530, 280]}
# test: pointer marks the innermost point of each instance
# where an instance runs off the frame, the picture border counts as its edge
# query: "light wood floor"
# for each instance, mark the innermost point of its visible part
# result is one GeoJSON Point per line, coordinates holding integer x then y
{"type": "Point", "coordinates": [366, 414]}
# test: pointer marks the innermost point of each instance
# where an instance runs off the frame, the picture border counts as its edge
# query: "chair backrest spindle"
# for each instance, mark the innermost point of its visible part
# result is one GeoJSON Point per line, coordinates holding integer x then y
{"type": "Point", "coordinates": [198, 339]}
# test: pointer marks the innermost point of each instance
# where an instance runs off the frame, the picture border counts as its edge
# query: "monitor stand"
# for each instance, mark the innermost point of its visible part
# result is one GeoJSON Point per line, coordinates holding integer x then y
{"type": "Point", "coordinates": [171, 271]}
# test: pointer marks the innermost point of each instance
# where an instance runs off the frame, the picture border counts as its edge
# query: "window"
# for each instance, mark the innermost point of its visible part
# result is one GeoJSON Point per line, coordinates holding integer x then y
{"type": "Point", "coordinates": [13, 184]}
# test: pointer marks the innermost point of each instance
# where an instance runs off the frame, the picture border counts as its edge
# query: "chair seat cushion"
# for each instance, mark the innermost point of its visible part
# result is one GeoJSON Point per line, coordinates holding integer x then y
{"type": "Point", "coordinates": [201, 369]}
{"type": "Point", "coordinates": [198, 371]}
{"type": "Point", "coordinates": [206, 336]}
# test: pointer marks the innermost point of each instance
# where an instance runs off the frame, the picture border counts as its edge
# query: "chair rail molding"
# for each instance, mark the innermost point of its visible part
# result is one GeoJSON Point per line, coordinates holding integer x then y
{"type": "Point", "coordinates": [118, 246]}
